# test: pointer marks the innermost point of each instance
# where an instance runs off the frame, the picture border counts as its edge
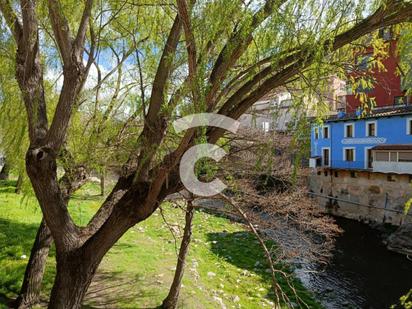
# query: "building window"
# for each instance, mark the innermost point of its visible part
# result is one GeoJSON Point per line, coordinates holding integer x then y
{"type": "Point", "coordinates": [382, 156]}
{"type": "Point", "coordinates": [371, 128]}
{"type": "Point", "coordinates": [349, 154]}
{"type": "Point", "coordinates": [349, 130]}
{"type": "Point", "coordinates": [341, 103]}
{"type": "Point", "coordinates": [336, 174]}
{"type": "Point", "coordinates": [405, 157]}
{"type": "Point", "coordinates": [326, 132]}
{"type": "Point", "coordinates": [400, 100]}
{"type": "Point", "coordinates": [393, 156]}
{"type": "Point", "coordinates": [265, 126]}
{"type": "Point", "coordinates": [325, 156]}
{"type": "Point", "coordinates": [316, 133]}
{"type": "Point", "coordinates": [353, 175]}
{"type": "Point", "coordinates": [409, 126]}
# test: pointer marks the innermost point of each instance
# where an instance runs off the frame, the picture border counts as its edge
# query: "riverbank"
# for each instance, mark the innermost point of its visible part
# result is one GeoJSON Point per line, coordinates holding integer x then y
{"type": "Point", "coordinates": [225, 267]}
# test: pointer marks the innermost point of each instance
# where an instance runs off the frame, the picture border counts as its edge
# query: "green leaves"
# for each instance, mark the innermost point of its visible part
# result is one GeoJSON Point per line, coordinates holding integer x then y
{"type": "Point", "coordinates": [408, 205]}
{"type": "Point", "coordinates": [405, 52]}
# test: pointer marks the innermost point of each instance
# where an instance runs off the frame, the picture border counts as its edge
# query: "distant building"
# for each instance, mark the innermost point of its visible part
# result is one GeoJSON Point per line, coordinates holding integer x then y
{"type": "Point", "coordinates": [277, 111]}
{"type": "Point", "coordinates": [272, 113]}
{"type": "Point", "coordinates": [387, 84]}
{"type": "Point", "coordinates": [353, 143]}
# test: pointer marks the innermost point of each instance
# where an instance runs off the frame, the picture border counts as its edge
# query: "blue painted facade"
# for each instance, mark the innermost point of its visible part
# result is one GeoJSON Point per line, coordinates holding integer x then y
{"type": "Point", "coordinates": [388, 130]}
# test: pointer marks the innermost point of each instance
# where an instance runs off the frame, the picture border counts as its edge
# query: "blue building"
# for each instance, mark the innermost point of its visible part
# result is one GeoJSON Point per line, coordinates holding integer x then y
{"type": "Point", "coordinates": [379, 142]}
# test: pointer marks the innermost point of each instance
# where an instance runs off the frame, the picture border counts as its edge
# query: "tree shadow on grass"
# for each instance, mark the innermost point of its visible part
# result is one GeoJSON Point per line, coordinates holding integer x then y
{"type": "Point", "coordinates": [115, 290]}
{"type": "Point", "coordinates": [7, 186]}
{"type": "Point", "coordinates": [8, 183]}
{"type": "Point", "coordinates": [243, 250]}
{"type": "Point", "coordinates": [86, 197]}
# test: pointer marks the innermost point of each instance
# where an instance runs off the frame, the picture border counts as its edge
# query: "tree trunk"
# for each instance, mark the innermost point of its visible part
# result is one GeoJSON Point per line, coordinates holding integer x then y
{"type": "Point", "coordinates": [170, 301]}
{"type": "Point", "coordinates": [102, 184]}
{"type": "Point", "coordinates": [31, 288]}
{"type": "Point", "coordinates": [19, 184]}
{"type": "Point", "coordinates": [5, 171]}
{"type": "Point", "coordinates": [73, 277]}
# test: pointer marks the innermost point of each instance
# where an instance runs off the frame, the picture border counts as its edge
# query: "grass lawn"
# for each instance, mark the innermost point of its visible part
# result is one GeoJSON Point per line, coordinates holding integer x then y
{"type": "Point", "coordinates": [225, 267]}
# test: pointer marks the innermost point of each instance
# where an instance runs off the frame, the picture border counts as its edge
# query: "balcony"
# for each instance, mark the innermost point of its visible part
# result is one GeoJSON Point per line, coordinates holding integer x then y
{"type": "Point", "coordinates": [392, 167]}
{"type": "Point", "coordinates": [392, 159]}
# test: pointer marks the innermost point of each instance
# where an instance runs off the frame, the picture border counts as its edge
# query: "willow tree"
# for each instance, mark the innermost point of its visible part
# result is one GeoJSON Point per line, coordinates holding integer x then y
{"type": "Point", "coordinates": [206, 56]}
{"type": "Point", "coordinates": [13, 142]}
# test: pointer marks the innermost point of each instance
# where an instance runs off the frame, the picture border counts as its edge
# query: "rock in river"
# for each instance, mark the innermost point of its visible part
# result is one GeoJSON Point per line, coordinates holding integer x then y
{"type": "Point", "coordinates": [401, 240]}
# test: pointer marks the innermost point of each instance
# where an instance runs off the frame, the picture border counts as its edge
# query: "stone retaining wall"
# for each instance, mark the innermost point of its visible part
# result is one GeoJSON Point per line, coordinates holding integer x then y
{"type": "Point", "coordinates": [363, 189]}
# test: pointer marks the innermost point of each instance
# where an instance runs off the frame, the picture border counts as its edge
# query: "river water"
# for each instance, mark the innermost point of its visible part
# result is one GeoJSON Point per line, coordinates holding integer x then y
{"type": "Point", "coordinates": [362, 272]}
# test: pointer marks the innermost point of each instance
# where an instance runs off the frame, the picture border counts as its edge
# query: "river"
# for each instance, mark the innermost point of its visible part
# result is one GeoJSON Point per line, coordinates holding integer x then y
{"type": "Point", "coordinates": [362, 272]}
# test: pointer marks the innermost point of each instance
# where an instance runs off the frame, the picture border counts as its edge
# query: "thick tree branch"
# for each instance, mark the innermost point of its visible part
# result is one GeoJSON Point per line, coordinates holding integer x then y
{"type": "Point", "coordinates": [190, 47]}
{"type": "Point", "coordinates": [74, 71]}
{"type": "Point", "coordinates": [61, 30]}
{"type": "Point", "coordinates": [81, 32]}
{"type": "Point", "coordinates": [236, 46]}
{"type": "Point", "coordinates": [263, 68]}
{"type": "Point", "coordinates": [30, 35]}
{"type": "Point", "coordinates": [29, 73]}
{"type": "Point", "coordinates": [163, 71]}
{"type": "Point", "coordinates": [155, 124]}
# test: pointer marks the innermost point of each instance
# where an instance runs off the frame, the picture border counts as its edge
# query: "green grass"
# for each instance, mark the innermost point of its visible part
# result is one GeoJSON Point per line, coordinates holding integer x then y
{"type": "Point", "coordinates": [224, 263]}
